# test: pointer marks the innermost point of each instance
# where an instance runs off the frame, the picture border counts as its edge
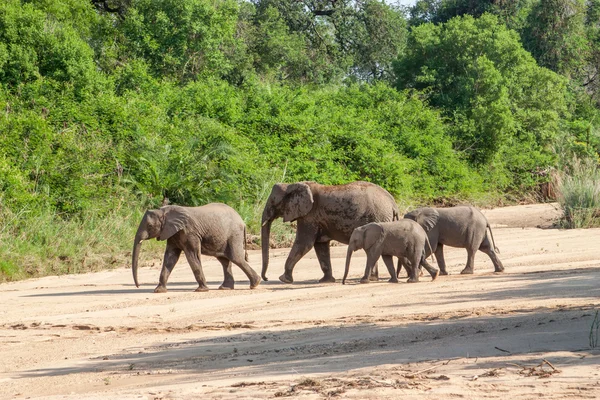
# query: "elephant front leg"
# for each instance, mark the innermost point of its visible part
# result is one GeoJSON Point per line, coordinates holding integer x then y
{"type": "Point", "coordinates": [324, 257]}
{"type": "Point", "coordinates": [439, 256]}
{"type": "Point", "coordinates": [299, 249]}
{"type": "Point", "coordinates": [172, 254]}
{"type": "Point", "coordinates": [372, 257]}
{"type": "Point", "coordinates": [389, 263]}
{"type": "Point", "coordinates": [228, 281]}
{"type": "Point", "coordinates": [374, 276]}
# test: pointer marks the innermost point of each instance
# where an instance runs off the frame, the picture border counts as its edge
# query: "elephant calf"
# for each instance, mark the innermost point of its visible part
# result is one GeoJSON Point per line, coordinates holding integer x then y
{"type": "Point", "coordinates": [214, 229]}
{"type": "Point", "coordinates": [462, 226]}
{"type": "Point", "coordinates": [404, 238]}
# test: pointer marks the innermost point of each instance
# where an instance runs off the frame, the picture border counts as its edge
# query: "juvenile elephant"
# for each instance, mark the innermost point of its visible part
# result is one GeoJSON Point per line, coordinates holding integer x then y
{"type": "Point", "coordinates": [462, 226]}
{"type": "Point", "coordinates": [214, 230]}
{"type": "Point", "coordinates": [323, 213]}
{"type": "Point", "coordinates": [404, 238]}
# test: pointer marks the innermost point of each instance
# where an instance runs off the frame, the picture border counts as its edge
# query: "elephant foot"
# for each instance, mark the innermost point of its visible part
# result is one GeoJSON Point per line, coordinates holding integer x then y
{"type": "Point", "coordinates": [413, 280]}
{"type": "Point", "coordinates": [365, 280]}
{"type": "Point", "coordinates": [264, 278]}
{"type": "Point", "coordinates": [499, 269]}
{"type": "Point", "coordinates": [443, 272]}
{"type": "Point", "coordinates": [327, 279]}
{"type": "Point", "coordinates": [434, 275]}
{"type": "Point", "coordinates": [160, 289]}
{"type": "Point", "coordinates": [374, 278]}
{"type": "Point", "coordinates": [225, 287]}
{"type": "Point", "coordinates": [393, 280]}
{"type": "Point", "coordinates": [286, 279]}
{"type": "Point", "coordinates": [254, 282]}
{"type": "Point", "coordinates": [467, 271]}
{"type": "Point", "coordinates": [202, 289]}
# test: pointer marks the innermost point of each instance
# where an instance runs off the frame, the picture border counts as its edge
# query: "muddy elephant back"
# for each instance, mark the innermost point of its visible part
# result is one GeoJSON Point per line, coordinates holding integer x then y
{"type": "Point", "coordinates": [384, 205]}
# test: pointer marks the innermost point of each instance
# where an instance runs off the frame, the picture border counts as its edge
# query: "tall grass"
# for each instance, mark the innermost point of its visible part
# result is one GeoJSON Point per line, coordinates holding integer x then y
{"type": "Point", "coordinates": [578, 193]}
{"type": "Point", "coordinates": [37, 243]}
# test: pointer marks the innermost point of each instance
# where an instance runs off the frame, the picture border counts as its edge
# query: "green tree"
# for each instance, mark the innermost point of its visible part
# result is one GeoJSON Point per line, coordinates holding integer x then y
{"type": "Point", "coordinates": [556, 35]}
{"type": "Point", "coordinates": [181, 39]}
{"type": "Point", "coordinates": [487, 85]}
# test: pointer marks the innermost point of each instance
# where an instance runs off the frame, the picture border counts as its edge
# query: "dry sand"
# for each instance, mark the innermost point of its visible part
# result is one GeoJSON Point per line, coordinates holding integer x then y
{"type": "Point", "coordinates": [520, 334]}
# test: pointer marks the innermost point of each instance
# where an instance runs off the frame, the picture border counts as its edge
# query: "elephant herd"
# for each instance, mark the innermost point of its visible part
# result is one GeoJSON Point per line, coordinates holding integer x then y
{"type": "Point", "coordinates": [360, 214]}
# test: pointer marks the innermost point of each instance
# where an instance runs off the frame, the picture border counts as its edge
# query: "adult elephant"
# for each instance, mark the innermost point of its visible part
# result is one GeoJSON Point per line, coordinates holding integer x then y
{"type": "Point", "coordinates": [462, 226]}
{"type": "Point", "coordinates": [323, 213]}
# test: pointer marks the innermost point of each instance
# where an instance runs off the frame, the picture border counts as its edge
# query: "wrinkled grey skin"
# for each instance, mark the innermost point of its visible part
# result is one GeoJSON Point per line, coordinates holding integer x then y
{"type": "Point", "coordinates": [404, 238]}
{"type": "Point", "coordinates": [323, 213]}
{"type": "Point", "coordinates": [462, 226]}
{"type": "Point", "coordinates": [214, 230]}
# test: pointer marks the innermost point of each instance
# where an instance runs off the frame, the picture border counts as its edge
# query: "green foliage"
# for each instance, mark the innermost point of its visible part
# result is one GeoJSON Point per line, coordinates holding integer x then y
{"type": "Point", "coordinates": [555, 35]}
{"type": "Point", "coordinates": [33, 45]}
{"type": "Point", "coordinates": [181, 39]}
{"type": "Point", "coordinates": [503, 108]}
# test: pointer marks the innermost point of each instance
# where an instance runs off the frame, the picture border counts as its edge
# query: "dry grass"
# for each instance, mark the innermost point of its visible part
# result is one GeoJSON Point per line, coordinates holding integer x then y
{"type": "Point", "coordinates": [578, 193]}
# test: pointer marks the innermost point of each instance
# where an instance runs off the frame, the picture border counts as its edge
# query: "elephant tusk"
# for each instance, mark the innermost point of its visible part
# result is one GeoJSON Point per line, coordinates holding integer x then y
{"type": "Point", "coordinates": [140, 241]}
{"type": "Point", "coordinates": [264, 223]}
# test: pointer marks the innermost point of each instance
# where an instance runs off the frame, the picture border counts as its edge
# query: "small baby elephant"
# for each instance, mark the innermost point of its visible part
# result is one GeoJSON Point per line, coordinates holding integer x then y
{"type": "Point", "coordinates": [404, 238]}
{"type": "Point", "coordinates": [214, 230]}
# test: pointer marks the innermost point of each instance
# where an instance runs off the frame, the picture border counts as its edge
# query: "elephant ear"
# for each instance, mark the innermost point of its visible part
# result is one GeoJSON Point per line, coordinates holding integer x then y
{"type": "Point", "coordinates": [427, 217]}
{"type": "Point", "coordinates": [298, 201]}
{"type": "Point", "coordinates": [372, 234]}
{"type": "Point", "coordinates": [175, 219]}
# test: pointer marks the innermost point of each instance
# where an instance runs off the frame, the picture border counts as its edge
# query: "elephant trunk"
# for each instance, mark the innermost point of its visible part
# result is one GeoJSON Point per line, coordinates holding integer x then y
{"type": "Point", "coordinates": [265, 234]}
{"type": "Point", "coordinates": [348, 257]}
{"type": "Point", "coordinates": [137, 245]}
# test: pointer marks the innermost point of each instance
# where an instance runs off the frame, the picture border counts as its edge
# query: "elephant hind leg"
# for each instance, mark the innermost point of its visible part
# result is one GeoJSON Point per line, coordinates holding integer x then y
{"type": "Point", "coordinates": [486, 247]}
{"type": "Point", "coordinates": [469, 268]}
{"type": "Point", "coordinates": [433, 272]}
{"type": "Point", "coordinates": [323, 255]}
{"type": "Point", "coordinates": [389, 263]}
{"type": "Point", "coordinates": [253, 277]}
{"type": "Point", "coordinates": [413, 272]}
{"type": "Point", "coordinates": [228, 281]}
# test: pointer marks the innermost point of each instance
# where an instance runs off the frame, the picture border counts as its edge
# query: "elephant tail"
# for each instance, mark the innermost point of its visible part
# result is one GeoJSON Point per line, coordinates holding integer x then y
{"type": "Point", "coordinates": [497, 250]}
{"type": "Point", "coordinates": [245, 244]}
{"type": "Point", "coordinates": [430, 250]}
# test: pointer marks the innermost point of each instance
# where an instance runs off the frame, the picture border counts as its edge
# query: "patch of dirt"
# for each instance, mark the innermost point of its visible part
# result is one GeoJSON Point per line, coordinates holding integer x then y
{"type": "Point", "coordinates": [525, 333]}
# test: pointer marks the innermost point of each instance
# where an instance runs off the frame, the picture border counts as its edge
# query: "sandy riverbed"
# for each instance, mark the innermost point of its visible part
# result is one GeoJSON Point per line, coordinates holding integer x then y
{"type": "Point", "coordinates": [520, 334]}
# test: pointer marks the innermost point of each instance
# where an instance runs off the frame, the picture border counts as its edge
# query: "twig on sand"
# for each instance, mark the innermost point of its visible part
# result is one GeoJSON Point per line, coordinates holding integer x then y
{"type": "Point", "coordinates": [427, 369]}
{"type": "Point", "coordinates": [498, 348]}
{"type": "Point", "coordinates": [548, 362]}
{"type": "Point", "coordinates": [382, 382]}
